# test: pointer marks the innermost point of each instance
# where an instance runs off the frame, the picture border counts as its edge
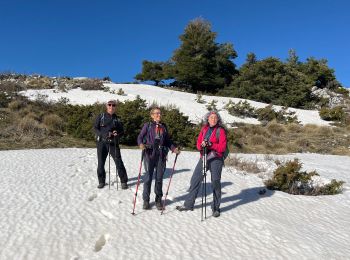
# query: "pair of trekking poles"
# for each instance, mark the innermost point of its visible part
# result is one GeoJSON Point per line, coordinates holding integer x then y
{"type": "Point", "coordinates": [138, 183]}
{"type": "Point", "coordinates": [204, 183]}
{"type": "Point", "coordinates": [109, 163]}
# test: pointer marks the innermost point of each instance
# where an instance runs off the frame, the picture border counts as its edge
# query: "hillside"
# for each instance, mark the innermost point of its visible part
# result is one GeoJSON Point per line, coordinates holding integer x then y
{"type": "Point", "coordinates": [186, 102]}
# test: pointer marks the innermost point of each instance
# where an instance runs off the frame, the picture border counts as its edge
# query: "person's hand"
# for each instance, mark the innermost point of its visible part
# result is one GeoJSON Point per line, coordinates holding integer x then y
{"type": "Point", "coordinates": [206, 143]}
{"type": "Point", "coordinates": [142, 146]}
{"type": "Point", "coordinates": [177, 151]}
{"type": "Point", "coordinates": [115, 133]}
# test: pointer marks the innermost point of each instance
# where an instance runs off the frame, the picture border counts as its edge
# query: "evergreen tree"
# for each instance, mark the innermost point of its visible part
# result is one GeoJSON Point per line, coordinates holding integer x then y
{"type": "Point", "coordinates": [200, 62]}
{"type": "Point", "coordinates": [292, 59]}
{"type": "Point", "coordinates": [151, 71]}
{"type": "Point", "coordinates": [251, 58]}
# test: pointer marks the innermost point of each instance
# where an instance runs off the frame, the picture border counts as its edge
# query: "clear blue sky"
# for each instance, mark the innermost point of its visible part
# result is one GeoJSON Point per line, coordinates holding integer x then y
{"type": "Point", "coordinates": [111, 38]}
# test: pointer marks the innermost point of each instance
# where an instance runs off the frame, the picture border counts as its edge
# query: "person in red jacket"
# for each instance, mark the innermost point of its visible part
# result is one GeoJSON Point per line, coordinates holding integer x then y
{"type": "Point", "coordinates": [215, 150]}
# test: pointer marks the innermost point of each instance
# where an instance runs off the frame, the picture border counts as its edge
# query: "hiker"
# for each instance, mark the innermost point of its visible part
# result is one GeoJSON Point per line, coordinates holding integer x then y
{"type": "Point", "coordinates": [109, 129]}
{"type": "Point", "coordinates": [155, 141]}
{"type": "Point", "coordinates": [213, 137]}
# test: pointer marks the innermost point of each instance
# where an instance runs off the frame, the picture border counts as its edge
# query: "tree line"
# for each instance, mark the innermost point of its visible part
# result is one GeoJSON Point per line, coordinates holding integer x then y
{"type": "Point", "coordinates": [201, 64]}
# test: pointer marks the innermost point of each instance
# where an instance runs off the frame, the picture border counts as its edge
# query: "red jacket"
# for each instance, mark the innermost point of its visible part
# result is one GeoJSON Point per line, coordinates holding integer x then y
{"type": "Point", "coordinates": [218, 145]}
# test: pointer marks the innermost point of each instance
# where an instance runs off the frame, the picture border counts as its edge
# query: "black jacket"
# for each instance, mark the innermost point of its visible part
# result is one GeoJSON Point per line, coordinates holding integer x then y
{"type": "Point", "coordinates": [105, 124]}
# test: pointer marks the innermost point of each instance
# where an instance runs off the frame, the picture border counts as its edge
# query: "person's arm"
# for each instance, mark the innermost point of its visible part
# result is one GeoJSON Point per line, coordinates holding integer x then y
{"type": "Point", "coordinates": [221, 145]}
{"type": "Point", "coordinates": [120, 128]}
{"type": "Point", "coordinates": [142, 134]}
{"type": "Point", "coordinates": [97, 126]}
{"type": "Point", "coordinates": [200, 140]}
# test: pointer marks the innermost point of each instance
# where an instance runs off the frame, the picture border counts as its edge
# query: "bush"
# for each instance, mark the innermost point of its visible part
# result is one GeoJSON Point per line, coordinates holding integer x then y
{"type": "Point", "coordinates": [332, 114]}
{"type": "Point", "coordinates": [199, 98]}
{"type": "Point", "coordinates": [241, 109]}
{"type": "Point", "coordinates": [28, 125]}
{"type": "Point", "coordinates": [243, 165]}
{"type": "Point", "coordinates": [53, 122]}
{"type": "Point", "coordinates": [5, 99]}
{"type": "Point", "coordinates": [289, 178]}
{"type": "Point", "coordinates": [212, 105]}
{"type": "Point", "coordinates": [39, 83]}
{"type": "Point", "coordinates": [120, 92]}
{"type": "Point", "coordinates": [89, 84]}
{"type": "Point", "coordinates": [268, 114]}
{"type": "Point", "coordinates": [15, 105]}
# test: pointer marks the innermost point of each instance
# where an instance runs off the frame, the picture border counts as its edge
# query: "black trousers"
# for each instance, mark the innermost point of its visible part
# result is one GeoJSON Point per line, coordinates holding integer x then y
{"type": "Point", "coordinates": [102, 153]}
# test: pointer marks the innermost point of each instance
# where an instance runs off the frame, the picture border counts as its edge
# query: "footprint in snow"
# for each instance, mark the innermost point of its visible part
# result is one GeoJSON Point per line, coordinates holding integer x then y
{"type": "Point", "coordinates": [107, 214]}
{"type": "Point", "coordinates": [92, 197]}
{"type": "Point", "coordinates": [101, 242]}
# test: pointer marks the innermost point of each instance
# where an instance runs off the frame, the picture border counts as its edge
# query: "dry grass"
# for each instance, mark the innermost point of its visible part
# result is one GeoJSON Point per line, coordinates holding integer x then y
{"type": "Point", "coordinates": [243, 165]}
{"type": "Point", "coordinates": [282, 139]}
{"type": "Point", "coordinates": [275, 128]}
{"type": "Point", "coordinates": [53, 122]}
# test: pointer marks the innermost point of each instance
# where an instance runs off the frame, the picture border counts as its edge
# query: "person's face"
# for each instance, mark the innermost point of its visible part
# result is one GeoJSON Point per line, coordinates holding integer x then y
{"type": "Point", "coordinates": [213, 120]}
{"type": "Point", "coordinates": [110, 108]}
{"type": "Point", "coordinates": [156, 115]}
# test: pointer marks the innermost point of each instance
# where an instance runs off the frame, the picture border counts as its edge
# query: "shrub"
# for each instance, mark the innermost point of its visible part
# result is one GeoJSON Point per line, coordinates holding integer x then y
{"type": "Point", "coordinates": [15, 105]}
{"type": "Point", "coordinates": [89, 84]}
{"type": "Point", "coordinates": [120, 92]}
{"type": "Point", "coordinates": [5, 99]}
{"type": "Point", "coordinates": [241, 109]}
{"type": "Point", "coordinates": [332, 114]}
{"type": "Point", "coordinates": [11, 87]}
{"type": "Point", "coordinates": [39, 83]}
{"type": "Point", "coordinates": [268, 114]}
{"type": "Point", "coordinates": [212, 105]}
{"type": "Point", "coordinates": [28, 125]}
{"type": "Point", "coordinates": [243, 165]}
{"type": "Point", "coordinates": [289, 178]}
{"type": "Point", "coordinates": [199, 98]}
{"type": "Point", "coordinates": [53, 122]}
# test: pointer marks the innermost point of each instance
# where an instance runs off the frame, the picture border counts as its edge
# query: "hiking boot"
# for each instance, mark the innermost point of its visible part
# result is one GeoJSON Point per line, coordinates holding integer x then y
{"type": "Point", "coordinates": [146, 205]}
{"type": "Point", "coordinates": [124, 185]}
{"type": "Point", "coordinates": [101, 185]}
{"type": "Point", "coordinates": [159, 205]}
{"type": "Point", "coordinates": [183, 208]}
{"type": "Point", "coordinates": [216, 213]}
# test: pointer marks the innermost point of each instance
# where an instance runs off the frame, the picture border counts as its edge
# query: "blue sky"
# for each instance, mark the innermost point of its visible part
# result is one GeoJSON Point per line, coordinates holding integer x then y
{"type": "Point", "coordinates": [111, 38]}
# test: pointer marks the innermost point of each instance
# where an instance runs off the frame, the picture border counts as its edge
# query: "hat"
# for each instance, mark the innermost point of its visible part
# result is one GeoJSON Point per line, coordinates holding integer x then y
{"type": "Point", "coordinates": [112, 101]}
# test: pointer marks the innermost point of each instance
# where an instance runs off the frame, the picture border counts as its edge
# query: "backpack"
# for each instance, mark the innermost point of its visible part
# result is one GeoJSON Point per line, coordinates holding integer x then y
{"type": "Point", "coordinates": [227, 151]}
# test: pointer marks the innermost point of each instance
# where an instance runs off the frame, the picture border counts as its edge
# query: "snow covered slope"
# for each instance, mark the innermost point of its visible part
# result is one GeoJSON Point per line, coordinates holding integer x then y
{"type": "Point", "coordinates": [51, 209]}
{"type": "Point", "coordinates": [184, 101]}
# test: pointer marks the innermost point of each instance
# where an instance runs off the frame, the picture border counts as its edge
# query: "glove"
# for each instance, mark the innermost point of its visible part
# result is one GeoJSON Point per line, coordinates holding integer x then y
{"type": "Point", "coordinates": [142, 146]}
{"type": "Point", "coordinates": [206, 143]}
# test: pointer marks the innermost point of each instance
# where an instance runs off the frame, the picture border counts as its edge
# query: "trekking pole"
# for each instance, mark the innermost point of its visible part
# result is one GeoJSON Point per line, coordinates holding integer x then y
{"type": "Point", "coordinates": [115, 154]}
{"type": "Point", "coordinates": [167, 190]}
{"type": "Point", "coordinates": [205, 184]}
{"type": "Point", "coordinates": [138, 182]}
{"type": "Point", "coordinates": [109, 166]}
{"type": "Point", "coordinates": [204, 179]}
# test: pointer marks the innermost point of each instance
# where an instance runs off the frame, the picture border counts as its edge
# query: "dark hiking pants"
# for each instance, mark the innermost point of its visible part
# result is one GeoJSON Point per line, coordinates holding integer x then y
{"type": "Point", "coordinates": [215, 168]}
{"type": "Point", "coordinates": [102, 153]}
{"type": "Point", "coordinates": [152, 163]}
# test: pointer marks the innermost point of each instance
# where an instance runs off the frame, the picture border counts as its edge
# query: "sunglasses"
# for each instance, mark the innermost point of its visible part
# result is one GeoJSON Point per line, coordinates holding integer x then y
{"type": "Point", "coordinates": [111, 105]}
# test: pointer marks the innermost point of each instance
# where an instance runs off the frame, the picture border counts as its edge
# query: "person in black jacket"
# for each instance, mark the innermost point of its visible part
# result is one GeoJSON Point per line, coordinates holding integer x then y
{"type": "Point", "coordinates": [109, 129]}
